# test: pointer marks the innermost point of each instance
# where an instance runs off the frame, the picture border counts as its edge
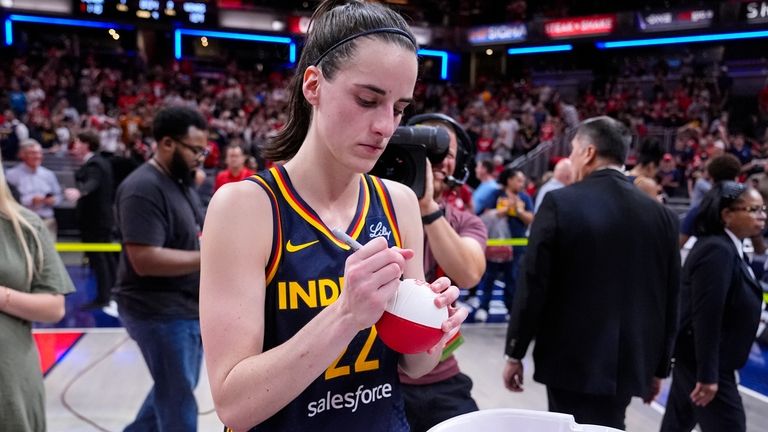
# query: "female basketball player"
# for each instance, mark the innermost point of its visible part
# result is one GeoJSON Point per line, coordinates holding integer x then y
{"type": "Point", "coordinates": [286, 309]}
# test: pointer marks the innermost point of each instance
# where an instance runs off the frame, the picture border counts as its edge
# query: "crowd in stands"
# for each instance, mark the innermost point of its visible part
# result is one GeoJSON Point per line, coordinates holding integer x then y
{"type": "Point", "coordinates": [684, 104]}
{"type": "Point", "coordinates": [677, 111]}
{"type": "Point", "coordinates": [52, 95]}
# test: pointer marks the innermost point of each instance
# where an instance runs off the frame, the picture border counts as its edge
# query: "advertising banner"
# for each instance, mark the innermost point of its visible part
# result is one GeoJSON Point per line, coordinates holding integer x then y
{"type": "Point", "coordinates": [497, 34]}
{"type": "Point", "coordinates": [675, 20]}
{"type": "Point", "coordinates": [580, 26]}
{"type": "Point", "coordinates": [198, 12]}
{"type": "Point", "coordinates": [755, 12]}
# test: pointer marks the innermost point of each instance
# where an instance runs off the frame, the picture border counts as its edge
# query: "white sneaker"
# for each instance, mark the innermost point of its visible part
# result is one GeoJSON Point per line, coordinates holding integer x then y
{"type": "Point", "coordinates": [481, 315]}
{"type": "Point", "coordinates": [110, 309]}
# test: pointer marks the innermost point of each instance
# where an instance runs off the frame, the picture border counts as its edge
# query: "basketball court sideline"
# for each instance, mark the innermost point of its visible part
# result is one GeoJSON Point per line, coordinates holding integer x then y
{"type": "Point", "coordinates": [99, 383]}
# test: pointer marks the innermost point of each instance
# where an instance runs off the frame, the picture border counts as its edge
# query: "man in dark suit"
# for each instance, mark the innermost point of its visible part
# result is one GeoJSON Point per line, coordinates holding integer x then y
{"type": "Point", "coordinates": [599, 287]}
{"type": "Point", "coordinates": [95, 196]}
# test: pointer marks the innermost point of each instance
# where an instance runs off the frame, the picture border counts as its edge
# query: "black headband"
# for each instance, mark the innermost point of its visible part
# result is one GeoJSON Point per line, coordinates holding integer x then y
{"type": "Point", "coordinates": [365, 33]}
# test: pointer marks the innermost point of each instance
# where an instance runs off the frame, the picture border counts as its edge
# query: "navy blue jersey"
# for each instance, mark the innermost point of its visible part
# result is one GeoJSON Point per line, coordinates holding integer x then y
{"type": "Point", "coordinates": [360, 390]}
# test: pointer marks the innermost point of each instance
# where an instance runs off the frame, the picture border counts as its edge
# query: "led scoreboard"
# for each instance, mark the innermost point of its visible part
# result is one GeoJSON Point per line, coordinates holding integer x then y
{"type": "Point", "coordinates": [196, 12]}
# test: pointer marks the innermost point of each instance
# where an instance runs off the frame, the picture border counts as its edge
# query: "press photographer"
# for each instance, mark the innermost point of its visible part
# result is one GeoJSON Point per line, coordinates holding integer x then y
{"type": "Point", "coordinates": [455, 244]}
{"type": "Point", "coordinates": [426, 137]}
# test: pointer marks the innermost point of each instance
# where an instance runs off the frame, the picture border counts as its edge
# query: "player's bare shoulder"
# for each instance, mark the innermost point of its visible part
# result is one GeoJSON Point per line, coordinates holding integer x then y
{"type": "Point", "coordinates": [401, 194]}
{"type": "Point", "coordinates": [240, 196]}
{"type": "Point", "coordinates": [244, 209]}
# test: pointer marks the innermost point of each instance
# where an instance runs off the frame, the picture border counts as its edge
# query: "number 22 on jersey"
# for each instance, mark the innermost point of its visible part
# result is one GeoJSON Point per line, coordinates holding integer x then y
{"type": "Point", "coordinates": [362, 363]}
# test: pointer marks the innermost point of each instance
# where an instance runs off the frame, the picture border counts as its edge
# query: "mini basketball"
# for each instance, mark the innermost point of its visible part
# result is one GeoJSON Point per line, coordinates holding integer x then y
{"type": "Point", "coordinates": [411, 323]}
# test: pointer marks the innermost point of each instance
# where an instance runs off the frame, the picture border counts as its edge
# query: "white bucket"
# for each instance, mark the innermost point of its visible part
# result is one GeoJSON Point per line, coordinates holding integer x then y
{"type": "Point", "coordinates": [507, 419]}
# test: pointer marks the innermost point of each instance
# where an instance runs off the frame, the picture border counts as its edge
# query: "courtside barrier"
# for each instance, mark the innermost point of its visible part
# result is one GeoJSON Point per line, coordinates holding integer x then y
{"type": "Point", "coordinates": [88, 247]}
{"type": "Point", "coordinates": [117, 247]}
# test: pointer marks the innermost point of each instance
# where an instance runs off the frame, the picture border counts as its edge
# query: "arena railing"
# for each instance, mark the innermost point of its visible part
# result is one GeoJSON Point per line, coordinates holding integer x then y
{"type": "Point", "coordinates": [72, 247]}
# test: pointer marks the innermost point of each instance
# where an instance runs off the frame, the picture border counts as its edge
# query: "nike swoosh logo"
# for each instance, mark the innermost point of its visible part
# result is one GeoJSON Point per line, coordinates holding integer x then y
{"type": "Point", "coordinates": [290, 247]}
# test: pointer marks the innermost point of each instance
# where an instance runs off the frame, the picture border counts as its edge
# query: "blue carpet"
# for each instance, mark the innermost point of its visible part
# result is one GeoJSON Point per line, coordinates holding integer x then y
{"type": "Point", "coordinates": [85, 291]}
{"type": "Point", "coordinates": [755, 374]}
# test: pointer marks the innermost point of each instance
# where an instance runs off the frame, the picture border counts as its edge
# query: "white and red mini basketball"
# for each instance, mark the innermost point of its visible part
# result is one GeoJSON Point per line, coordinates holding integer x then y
{"type": "Point", "coordinates": [411, 323]}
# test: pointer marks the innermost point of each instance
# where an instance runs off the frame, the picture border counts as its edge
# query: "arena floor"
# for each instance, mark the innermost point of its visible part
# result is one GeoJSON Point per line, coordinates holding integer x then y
{"type": "Point", "coordinates": [101, 381]}
{"type": "Point", "coordinates": [96, 379]}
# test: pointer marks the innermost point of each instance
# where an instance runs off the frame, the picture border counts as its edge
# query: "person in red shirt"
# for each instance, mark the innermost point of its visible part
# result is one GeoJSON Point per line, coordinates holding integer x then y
{"type": "Point", "coordinates": [236, 169]}
{"type": "Point", "coordinates": [460, 197]}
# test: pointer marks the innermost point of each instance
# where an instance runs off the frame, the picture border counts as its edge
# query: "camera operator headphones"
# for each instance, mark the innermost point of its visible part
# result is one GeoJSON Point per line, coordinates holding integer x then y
{"type": "Point", "coordinates": [465, 148]}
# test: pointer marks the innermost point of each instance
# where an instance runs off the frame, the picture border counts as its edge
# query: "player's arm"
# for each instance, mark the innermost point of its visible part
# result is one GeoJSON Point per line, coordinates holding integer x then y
{"type": "Point", "coordinates": [409, 222]}
{"type": "Point", "coordinates": [249, 384]}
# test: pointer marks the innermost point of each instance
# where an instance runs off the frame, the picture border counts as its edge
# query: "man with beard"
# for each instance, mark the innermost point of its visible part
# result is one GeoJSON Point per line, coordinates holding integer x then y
{"type": "Point", "coordinates": [160, 220]}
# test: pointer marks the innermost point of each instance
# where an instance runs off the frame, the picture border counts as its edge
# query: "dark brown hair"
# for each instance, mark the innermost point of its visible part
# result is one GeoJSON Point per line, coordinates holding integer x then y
{"type": "Point", "coordinates": [332, 22]}
{"type": "Point", "coordinates": [91, 139]}
{"type": "Point", "coordinates": [724, 167]}
{"type": "Point", "coordinates": [723, 195]}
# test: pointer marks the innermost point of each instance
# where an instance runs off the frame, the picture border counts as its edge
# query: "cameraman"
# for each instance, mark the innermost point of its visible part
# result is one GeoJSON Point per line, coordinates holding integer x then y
{"type": "Point", "coordinates": [454, 247]}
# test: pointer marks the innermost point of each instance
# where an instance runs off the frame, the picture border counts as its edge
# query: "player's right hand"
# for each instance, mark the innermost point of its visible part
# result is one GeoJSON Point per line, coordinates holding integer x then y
{"type": "Point", "coordinates": [371, 278]}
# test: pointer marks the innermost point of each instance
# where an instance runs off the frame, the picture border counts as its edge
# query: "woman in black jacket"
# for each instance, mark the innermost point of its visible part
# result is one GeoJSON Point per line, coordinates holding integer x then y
{"type": "Point", "coordinates": [720, 310]}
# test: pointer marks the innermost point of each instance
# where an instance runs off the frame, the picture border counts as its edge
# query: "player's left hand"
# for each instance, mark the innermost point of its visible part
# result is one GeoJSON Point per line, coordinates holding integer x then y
{"type": "Point", "coordinates": [448, 296]}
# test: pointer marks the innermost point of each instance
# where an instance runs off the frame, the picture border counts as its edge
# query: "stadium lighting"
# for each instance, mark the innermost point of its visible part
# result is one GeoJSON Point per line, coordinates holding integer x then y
{"type": "Point", "coordinates": [8, 32]}
{"type": "Point", "coordinates": [56, 21]}
{"type": "Point", "coordinates": [444, 60]}
{"type": "Point", "coordinates": [178, 33]}
{"type": "Point", "coordinates": [540, 49]}
{"type": "Point", "coordinates": [681, 39]}
{"type": "Point", "coordinates": [177, 44]}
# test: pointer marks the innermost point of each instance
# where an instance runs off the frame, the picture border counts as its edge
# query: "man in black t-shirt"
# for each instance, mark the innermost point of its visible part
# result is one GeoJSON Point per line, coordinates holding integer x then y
{"type": "Point", "coordinates": [160, 219]}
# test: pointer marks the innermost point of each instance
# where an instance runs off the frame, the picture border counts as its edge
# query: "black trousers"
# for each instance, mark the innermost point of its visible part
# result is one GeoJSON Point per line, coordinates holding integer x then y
{"type": "Point", "coordinates": [103, 265]}
{"type": "Point", "coordinates": [724, 413]}
{"type": "Point", "coordinates": [428, 405]}
{"type": "Point", "coordinates": [603, 410]}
